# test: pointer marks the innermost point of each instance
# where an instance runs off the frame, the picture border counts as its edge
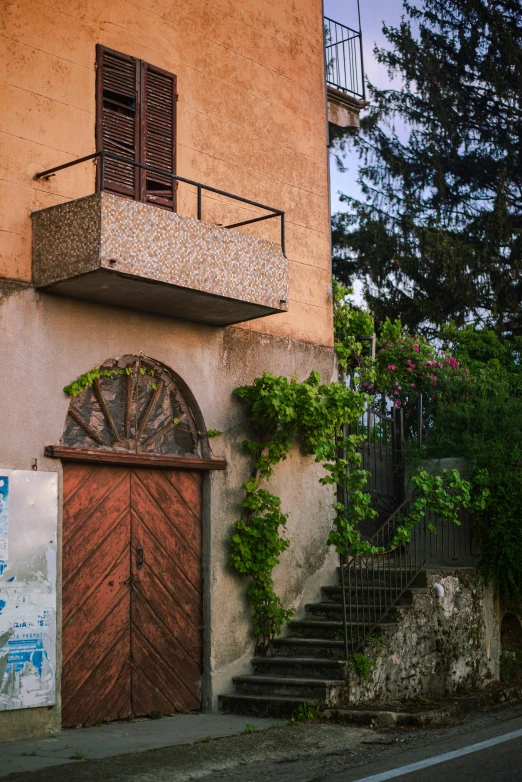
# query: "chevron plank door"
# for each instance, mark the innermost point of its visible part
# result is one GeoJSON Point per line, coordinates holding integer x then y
{"type": "Point", "coordinates": [132, 609]}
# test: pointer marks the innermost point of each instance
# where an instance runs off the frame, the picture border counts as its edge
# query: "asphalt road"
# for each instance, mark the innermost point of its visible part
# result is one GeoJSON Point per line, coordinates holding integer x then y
{"type": "Point", "coordinates": [492, 753]}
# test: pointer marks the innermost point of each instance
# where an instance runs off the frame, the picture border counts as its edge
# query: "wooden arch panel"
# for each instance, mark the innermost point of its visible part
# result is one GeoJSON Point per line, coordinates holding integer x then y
{"type": "Point", "coordinates": [133, 404]}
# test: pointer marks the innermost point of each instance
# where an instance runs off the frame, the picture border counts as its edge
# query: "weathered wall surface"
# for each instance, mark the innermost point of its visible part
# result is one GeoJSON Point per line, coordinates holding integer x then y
{"type": "Point", "coordinates": [442, 645]}
{"type": "Point", "coordinates": [47, 341]}
{"type": "Point", "coordinates": [251, 120]}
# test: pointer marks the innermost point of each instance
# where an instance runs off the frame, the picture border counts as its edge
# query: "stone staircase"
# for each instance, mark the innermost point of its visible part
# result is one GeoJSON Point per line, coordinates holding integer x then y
{"type": "Point", "coordinates": [307, 665]}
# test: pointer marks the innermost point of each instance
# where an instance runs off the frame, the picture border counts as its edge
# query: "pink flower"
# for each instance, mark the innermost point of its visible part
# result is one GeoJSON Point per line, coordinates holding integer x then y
{"type": "Point", "coordinates": [417, 347]}
{"type": "Point", "coordinates": [391, 366]}
{"type": "Point", "coordinates": [412, 385]}
{"type": "Point", "coordinates": [396, 393]}
{"type": "Point", "coordinates": [397, 403]}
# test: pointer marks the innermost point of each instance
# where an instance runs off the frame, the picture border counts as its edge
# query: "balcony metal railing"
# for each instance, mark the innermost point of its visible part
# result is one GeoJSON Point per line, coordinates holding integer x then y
{"type": "Point", "coordinates": [103, 156]}
{"type": "Point", "coordinates": [344, 57]}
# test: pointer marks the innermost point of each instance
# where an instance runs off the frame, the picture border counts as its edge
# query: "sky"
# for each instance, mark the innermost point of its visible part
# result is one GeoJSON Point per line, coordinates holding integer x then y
{"type": "Point", "coordinates": [373, 12]}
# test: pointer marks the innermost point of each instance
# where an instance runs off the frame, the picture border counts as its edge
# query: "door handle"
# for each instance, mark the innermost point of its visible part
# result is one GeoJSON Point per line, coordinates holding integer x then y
{"type": "Point", "coordinates": [140, 556]}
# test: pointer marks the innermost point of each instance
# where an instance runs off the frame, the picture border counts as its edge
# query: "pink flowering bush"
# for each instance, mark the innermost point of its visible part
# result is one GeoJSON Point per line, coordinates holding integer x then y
{"type": "Point", "coordinates": [407, 366]}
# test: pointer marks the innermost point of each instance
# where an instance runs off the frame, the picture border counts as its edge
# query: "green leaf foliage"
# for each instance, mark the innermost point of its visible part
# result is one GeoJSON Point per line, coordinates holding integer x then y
{"type": "Point", "coordinates": [86, 381]}
{"type": "Point", "coordinates": [312, 414]}
{"type": "Point", "coordinates": [444, 495]}
{"type": "Point", "coordinates": [483, 425]}
{"type": "Point", "coordinates": [350, 324]}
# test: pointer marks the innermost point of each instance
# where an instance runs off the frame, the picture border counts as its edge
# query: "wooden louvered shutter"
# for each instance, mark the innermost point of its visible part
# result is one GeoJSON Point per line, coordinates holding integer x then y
{"type": "Point", "coordinates": [158, 128]}
{"type": "Point", "coordinates": [117, 122]}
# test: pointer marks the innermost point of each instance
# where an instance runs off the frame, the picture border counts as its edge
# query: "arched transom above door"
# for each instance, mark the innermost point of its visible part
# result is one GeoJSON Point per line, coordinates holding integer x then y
{"type": "Point", "coordinates": [136, 405]}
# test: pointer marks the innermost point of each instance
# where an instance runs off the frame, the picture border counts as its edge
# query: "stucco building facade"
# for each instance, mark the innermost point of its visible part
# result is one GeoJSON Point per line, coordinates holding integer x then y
{"type": "Point", "coordinates": [146, 282]}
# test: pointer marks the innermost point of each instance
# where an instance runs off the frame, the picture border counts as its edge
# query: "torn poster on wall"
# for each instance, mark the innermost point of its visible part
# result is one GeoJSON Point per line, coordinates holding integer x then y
{"type": "Point", "coordinates": [28, 528]}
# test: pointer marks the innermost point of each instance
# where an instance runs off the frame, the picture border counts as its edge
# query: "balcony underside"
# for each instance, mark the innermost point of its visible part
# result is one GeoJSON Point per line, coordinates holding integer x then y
{"type": "Point", "coordinates": [120, 290]}
{"type": "Point", "coordinates": [344, 109]}
{"type": "Point", "coordinates": [111, 250]}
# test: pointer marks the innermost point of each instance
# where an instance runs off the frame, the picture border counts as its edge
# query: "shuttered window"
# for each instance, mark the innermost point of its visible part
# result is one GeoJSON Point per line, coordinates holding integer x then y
{"type": "Point", "coordinates": [136, 118]}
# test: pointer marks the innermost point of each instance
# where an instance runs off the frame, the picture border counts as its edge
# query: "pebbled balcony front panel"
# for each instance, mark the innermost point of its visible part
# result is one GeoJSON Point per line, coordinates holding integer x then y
{"type": "Point", "coordinates": [112, 250]}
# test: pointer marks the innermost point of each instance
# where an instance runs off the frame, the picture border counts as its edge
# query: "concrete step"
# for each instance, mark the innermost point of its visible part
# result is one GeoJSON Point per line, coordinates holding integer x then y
{"type": "Point", "coordinates": [333, 593]}
{"type": "Point", "coordinates": [286, 686]}
{"type": "Point", "coordinates": [378, 575]}
{"type": "Point", "coordinates": [334, 611]}
{"type": "Point", "coordinates": [263, 705]}
{"type": "Point", "coordinates": [305, 667]}
{"type": "Point", "coordinates": [324, 629]}
{"type": "Point", "coordinates": [308, 647]}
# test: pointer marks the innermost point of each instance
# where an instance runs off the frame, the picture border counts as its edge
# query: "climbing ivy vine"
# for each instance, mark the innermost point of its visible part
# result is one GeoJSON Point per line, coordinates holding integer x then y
{"type": "Point", "coordinates": [444, 495]}
{"type": "Point", "coordinates": [283, 412]}
{"type": "Point", "coordinates": [86, 381]}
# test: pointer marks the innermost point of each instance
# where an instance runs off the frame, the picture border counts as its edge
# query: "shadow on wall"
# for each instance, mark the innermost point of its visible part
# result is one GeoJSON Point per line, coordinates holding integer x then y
{"type": "Point", "coordinates": [511, 645]}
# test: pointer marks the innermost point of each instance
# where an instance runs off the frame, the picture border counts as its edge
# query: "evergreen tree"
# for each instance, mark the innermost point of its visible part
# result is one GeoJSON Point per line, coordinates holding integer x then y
{"type": "Point", "coordinates": [438, 232]}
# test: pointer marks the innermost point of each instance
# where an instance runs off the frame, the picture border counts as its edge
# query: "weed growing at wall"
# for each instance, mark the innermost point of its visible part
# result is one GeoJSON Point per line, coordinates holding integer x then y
{"type": "Point", "coordinates": [361, 664]}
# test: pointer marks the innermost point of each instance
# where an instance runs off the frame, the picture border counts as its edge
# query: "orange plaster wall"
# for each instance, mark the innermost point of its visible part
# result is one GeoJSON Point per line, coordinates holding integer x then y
{"type": "Point", "coordinates": [251, 120]}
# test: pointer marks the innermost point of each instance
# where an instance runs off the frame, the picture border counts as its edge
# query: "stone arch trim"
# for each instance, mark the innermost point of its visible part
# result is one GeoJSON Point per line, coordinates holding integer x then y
{"type": "Point", "coordinates": [137, 406]}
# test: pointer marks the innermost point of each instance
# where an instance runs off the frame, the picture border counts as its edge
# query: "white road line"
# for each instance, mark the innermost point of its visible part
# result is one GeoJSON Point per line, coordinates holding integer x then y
{"type": "Point", "coordinates": [399, 772]}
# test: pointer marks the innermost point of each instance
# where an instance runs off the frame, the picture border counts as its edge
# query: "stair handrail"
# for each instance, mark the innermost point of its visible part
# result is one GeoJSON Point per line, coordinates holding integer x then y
{"type": "Point", "coordinates": [371, 584]}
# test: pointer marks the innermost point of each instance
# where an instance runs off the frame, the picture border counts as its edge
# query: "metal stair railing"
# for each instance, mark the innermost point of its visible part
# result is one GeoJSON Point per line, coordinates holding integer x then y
{"type": "Point", "coordinates": [372, 584]}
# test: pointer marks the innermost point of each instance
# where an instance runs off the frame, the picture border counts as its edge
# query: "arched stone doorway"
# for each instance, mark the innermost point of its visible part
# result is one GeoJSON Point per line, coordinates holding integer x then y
{"type": "Point", "coordinates": [132, 545]}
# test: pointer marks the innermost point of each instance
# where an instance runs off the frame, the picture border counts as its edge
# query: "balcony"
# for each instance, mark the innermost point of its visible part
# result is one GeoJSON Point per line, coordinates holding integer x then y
{"type": "Point", "coordinates": [113, 250]}
{"type": "Point", "coordinates": [344, 73]}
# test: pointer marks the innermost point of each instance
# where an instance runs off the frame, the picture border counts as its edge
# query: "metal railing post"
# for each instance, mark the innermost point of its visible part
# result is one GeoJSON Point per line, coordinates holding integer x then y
{"type": "Point", "coordinates": [361, 50]}
{"type": "Point", "coordinates": [102, 172]}
{"type": "Point", "coordinates": [420, 422]}
{"type": "Point", "coordinates": [199, 203]}
{"type": "Point", "coordinates": [343, 603]}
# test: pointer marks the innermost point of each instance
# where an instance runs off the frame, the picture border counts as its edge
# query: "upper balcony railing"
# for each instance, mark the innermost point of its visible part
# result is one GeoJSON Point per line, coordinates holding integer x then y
{"type": "Point", "coordinates": [344, 58]}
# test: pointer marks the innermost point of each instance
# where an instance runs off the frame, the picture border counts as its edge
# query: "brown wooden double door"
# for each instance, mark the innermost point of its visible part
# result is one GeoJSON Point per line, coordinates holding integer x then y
{"type": "Point", "coordinates": [132, 608]}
